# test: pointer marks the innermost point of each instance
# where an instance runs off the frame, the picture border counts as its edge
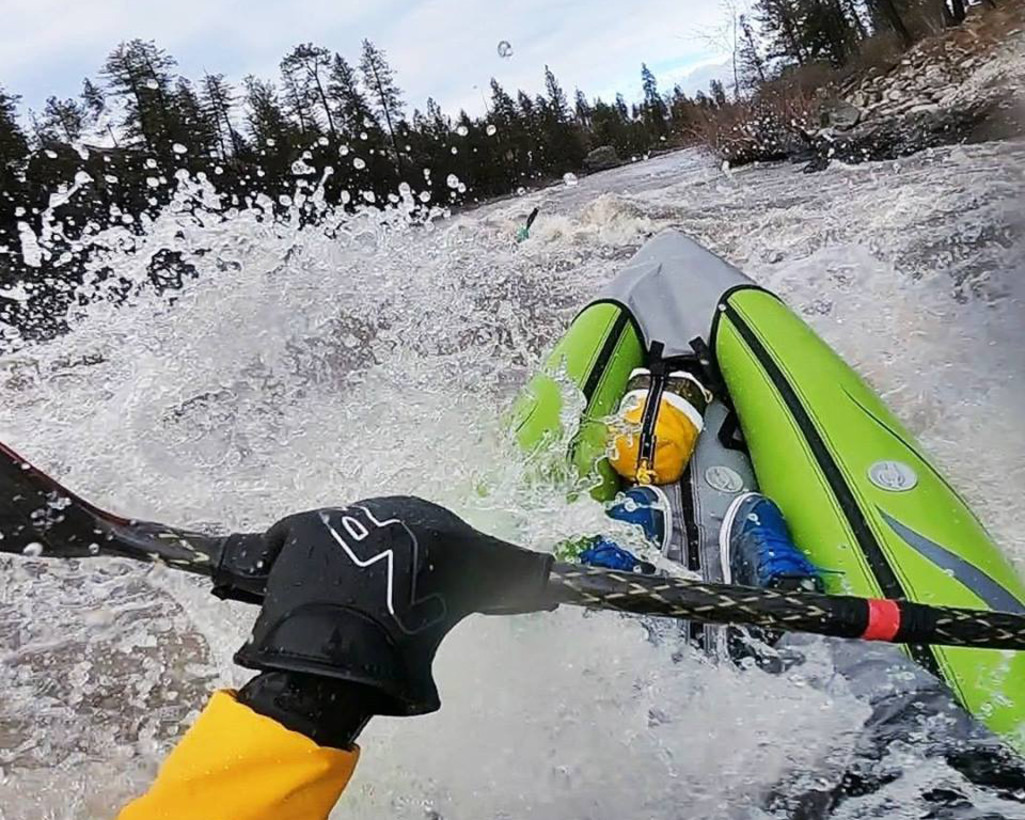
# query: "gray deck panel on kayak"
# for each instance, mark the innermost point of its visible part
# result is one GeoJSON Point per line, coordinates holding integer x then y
{"type": "Point", "coordinates": [671, 287]}
{"type": "Point", "coordinates": [718, 476]}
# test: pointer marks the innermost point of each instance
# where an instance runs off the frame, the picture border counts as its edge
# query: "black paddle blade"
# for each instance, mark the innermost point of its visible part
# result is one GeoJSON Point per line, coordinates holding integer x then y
{"type": "Point", "coordinates": [532, 217]}
{"type": "Point", "coordinates": [39, 517]}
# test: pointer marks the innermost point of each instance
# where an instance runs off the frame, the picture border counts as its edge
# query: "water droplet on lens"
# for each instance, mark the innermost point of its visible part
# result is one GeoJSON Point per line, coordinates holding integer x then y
{"type": "Point", "coordinates": [492, 130]}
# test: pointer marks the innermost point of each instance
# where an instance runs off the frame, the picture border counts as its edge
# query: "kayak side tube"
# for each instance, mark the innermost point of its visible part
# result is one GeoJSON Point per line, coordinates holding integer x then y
{"type": "Point", "coordinates": [595, 358]}
{"type": "Point", "coordinates": [861, 498]}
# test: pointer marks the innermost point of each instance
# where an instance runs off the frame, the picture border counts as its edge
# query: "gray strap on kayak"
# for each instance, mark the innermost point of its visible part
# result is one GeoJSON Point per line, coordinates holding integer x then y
{"type": "Point", "coordinates": [730, 434]}
{"type": "Point", "coordinates": [708, 369]}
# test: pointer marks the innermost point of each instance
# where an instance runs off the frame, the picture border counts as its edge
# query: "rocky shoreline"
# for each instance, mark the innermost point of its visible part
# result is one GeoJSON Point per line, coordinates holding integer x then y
{"type": "Point", "coordinates": [964, 85]}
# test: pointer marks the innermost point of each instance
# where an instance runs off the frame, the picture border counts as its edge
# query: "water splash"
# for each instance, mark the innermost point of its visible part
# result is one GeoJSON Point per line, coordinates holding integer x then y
{"type": "Point", "coordinates": [374, 353]}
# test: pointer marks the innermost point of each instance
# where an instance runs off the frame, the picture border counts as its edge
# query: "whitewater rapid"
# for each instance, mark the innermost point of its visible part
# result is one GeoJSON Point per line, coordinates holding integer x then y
{"type": "Point", "coordinates": [375, 355]}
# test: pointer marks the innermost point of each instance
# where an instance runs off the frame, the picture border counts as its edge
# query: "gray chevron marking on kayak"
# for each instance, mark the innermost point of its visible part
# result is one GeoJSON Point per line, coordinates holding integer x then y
{"type": "Point", "coordinates": [968, 574]}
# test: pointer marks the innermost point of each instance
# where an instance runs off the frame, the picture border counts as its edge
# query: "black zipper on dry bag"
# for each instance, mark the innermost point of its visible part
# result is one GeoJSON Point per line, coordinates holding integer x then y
{"type": "Point", "coordinates": [887, 578]}
{"type": "Point", "coordinates": [659, 377]}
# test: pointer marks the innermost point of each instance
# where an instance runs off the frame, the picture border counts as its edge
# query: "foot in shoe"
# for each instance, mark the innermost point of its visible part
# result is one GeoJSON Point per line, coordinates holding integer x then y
{"type": "Point", "coordinates": [757, 549]}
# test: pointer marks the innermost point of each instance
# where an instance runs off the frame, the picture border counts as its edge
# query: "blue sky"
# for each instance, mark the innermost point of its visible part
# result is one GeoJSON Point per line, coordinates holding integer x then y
{"type": "Point", "coordinates": [442, 48]}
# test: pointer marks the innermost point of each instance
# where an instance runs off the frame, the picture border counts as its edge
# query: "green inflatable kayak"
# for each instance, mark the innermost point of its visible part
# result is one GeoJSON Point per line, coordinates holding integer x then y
{"type": "Point", "coordinates": [793, 421]}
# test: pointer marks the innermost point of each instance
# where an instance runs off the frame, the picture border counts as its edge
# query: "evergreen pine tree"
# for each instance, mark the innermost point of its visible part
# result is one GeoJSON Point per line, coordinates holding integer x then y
{"type": "Point", "coordinates": [526, 105]}
{"type": "Point", "coordinates": [311, 66]}
{"type": "Point", "coordinates": [718, 93]}
{"type": "Point", "coordinates": [609, 128]}
{"type": "Point", "coordinates": [887, 14]}
{"type": "Point", "coordinates": [13, 144]}
{"type": "Point", "coordinates": [298, 99]}
{"type": "Point", "coordinates": [825, 31]}
{"type": "Point", "coordinates": [218, 100]}
{"type": "Point", "coordinates": [780, 24]}
{"type": "Point", "coordinates": [385, 94]}
{"type": "Point", "coordinates": [274, 135]}
{"type": "Point", "coordinates": [557, 103]}
{"type": "Point", "coordinates": [621, 109]}
{"type": "Point", "coordinates": [64, 119]}
{"type": "Point", "coordinates": [503, 107]}
{"type": "Point", "coordinates": [268, 123]}
{"type": "Point", "coordinates": [191, 124]}
{"type": "Point", "coordinates": [654, 107]}
{"type": "Point", "coordinates": [140, 74]}
{"type": "Point", "coordinates": [436, 119]}
{"type": "Point", "coordinates": [93, 100]}
{"type": "Point", "coordinates": [582, 109]}
{"type": "Point", "coordinates": [752, 65]}
{"type": "Point", "coordinates": [681, 109]}
{"type": "Point", "coordinates": [351, 109]}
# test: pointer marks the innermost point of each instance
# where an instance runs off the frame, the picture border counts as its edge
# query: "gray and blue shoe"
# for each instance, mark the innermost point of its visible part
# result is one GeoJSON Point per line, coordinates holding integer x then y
{"type": "Point", "coordinates": [757, 549]}
{"type": "Point", "coordinates": [643, 506]}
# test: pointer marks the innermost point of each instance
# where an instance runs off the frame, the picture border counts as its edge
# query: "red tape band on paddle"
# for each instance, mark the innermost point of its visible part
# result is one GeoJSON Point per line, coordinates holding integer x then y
{"type": "Point", "coordinates": [883, 620]}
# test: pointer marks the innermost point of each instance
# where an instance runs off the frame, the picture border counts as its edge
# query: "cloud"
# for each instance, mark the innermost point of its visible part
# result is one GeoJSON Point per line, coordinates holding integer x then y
{"type": "Point", "coordinates": [695, 78]}
{"type": "Point", "coordinates": [596, 46]}
{"type": "Point", "coordinates": [439, 48]}
{"type": "Point", "coordinates": [48, 46]}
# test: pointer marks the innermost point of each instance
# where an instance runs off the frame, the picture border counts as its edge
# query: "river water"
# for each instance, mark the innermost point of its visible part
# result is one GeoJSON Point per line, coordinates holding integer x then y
{"type": "Point", "coordinates": [375, 354]}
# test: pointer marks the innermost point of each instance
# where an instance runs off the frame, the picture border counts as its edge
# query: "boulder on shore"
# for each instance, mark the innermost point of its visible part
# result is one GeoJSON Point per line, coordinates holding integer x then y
{"type": "Point", "coordinates": [601, 158]}
{"type": "Point", "coordinates": [840, 114]}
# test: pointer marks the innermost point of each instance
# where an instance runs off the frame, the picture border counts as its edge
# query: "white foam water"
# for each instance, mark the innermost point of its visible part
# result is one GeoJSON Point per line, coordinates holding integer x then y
{"type": "Point", "coordinates": [375, 354]}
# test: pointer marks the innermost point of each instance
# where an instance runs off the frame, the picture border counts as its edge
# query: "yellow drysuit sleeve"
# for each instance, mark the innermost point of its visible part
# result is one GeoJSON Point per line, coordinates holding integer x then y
{"type": "Point", "coordinates": [235, 764]}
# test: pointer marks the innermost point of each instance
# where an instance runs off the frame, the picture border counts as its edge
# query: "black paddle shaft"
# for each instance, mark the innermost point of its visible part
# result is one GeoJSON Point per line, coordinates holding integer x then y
{"type": "Point", "coordinates": [841, 616]}
{"type": "Point", "coordinates": [39, 517]}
